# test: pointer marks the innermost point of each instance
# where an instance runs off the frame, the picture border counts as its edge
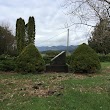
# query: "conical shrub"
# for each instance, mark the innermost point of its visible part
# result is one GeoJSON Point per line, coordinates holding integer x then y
{"type": "Point", "coordinates": [85, 60]}
{"type": "Point", "coordinates": [30, 60]}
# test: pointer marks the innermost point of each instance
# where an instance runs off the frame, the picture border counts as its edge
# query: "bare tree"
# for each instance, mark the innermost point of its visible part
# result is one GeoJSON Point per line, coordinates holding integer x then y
{"type": "Point", "coordinates": [87, 11]}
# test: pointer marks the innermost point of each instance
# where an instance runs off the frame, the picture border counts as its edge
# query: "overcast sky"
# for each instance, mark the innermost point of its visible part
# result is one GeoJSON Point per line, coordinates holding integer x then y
{"type": "Point", "coordinates": [50, 20]}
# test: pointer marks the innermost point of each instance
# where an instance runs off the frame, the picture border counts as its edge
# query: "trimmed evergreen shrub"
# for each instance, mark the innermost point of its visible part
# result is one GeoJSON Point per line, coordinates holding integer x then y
{"type": "Point", "coordinates": [30, 60]}
{"type": "Point", "coordinates": [85, 60]}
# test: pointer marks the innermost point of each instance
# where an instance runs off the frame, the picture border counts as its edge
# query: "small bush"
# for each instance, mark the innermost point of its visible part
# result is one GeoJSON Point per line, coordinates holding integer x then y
{"type": "Point", "coordinates": [85, 60]}
{"type": "Point", "coordinates": [104, 58]}
{"type": "Point", "coordinates": [7, 63]}
{"type": "Point", "coordinates": [47, 59]}
{"type": "Point", "coordinates": [30, 60]}
{"type": "Point", "coordinates": [48, 55]}
{"type": "Point", "coordinates": [68, 59]}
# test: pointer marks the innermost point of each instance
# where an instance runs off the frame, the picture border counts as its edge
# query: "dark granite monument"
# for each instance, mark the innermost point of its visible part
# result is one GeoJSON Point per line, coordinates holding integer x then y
{"type": "Point", "coordinates": [58, 63]}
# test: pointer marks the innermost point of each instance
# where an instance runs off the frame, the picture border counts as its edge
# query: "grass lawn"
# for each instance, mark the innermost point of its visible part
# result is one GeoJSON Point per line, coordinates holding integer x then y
{"type": "Point", "coordinates": [56, 91]}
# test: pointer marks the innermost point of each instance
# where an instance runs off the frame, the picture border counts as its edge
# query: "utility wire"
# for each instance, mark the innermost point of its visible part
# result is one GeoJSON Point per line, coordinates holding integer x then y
{"type": "Point", "coordinates": [51, 38]}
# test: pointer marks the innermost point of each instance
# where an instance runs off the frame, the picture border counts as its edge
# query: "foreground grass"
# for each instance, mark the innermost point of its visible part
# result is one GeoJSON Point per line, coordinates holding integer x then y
{"type": "Point", "coordinates": [57, 91]}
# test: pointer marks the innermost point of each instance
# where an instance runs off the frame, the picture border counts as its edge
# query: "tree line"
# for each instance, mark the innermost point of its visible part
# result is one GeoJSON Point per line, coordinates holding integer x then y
{"type": "Point", "coordinates": [99, 39]}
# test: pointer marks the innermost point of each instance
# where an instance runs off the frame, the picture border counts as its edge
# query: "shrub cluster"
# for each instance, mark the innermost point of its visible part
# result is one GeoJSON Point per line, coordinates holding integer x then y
{"type": "Point", "coordinates": [85, 60]}
{"type": "Point", "coordinates": [7, 63]}
{"type": "Point", "coordinates": [104, 58]}
{"type": "Point", "coordinates": [30, 60]}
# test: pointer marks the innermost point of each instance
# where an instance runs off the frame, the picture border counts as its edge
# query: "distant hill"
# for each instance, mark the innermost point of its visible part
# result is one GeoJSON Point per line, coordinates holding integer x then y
{"type": "Point", "coordinates": [57, 48]}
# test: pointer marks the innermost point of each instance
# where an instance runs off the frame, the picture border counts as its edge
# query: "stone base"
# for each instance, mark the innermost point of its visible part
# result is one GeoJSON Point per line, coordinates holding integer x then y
{"type": "Point", "coordinates": [57, 68]}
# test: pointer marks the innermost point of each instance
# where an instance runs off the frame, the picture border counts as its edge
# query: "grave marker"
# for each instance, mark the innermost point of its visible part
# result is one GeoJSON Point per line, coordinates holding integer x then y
{"type": "Point", "coordinates": [58, 63]}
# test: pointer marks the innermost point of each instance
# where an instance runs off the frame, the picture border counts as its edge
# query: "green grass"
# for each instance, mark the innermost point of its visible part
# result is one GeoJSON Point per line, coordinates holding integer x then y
{"type": "Point", "coordinates": [56, 91]}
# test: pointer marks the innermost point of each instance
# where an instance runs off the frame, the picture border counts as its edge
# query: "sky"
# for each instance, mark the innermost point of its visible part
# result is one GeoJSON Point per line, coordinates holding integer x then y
{"type": "Point", "coordinates": [50, 18]}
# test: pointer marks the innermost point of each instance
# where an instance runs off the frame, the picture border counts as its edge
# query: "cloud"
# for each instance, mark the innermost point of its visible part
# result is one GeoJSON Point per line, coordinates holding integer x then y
{"type": "Point", "coordinates": [49, 17]}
